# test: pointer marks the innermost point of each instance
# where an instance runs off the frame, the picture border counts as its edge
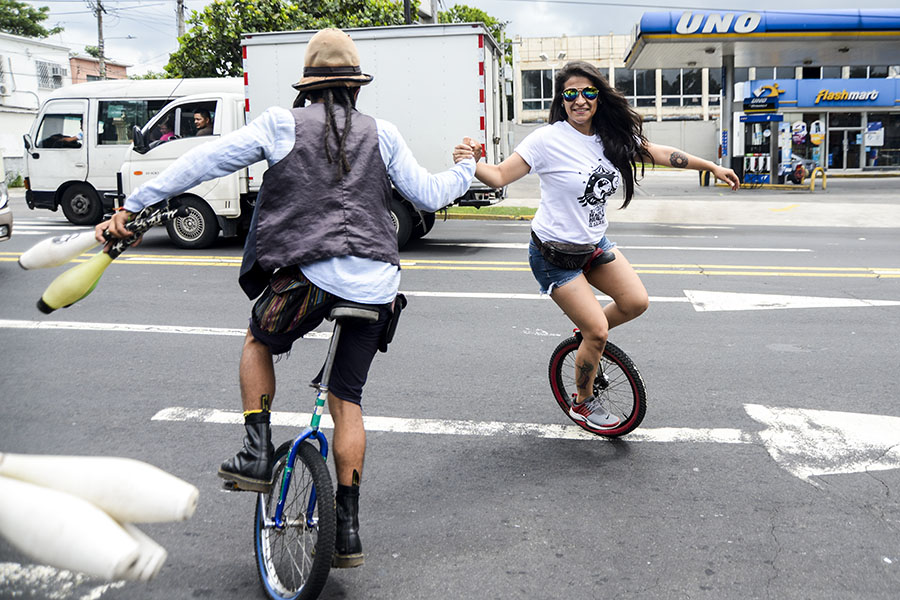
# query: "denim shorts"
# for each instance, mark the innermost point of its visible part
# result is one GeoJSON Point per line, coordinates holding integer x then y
{"type": "Point", "coordinates": [550, 276]}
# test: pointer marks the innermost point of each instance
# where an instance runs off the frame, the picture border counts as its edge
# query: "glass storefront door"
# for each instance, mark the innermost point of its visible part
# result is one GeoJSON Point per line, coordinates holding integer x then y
{"type": "Point", "coordinates": [845, 148]}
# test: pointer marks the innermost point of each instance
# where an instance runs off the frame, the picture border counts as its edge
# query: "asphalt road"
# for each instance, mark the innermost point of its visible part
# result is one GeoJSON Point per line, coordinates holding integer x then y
{"type": "Point", "coordinates": [767, 465]}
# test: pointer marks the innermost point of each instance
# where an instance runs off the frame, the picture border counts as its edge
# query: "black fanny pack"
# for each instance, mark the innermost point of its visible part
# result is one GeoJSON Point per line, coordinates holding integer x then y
{"type": "Point", "coordinates": [563, 255]}
{"type": "Point", "coordinates": [388, 333]}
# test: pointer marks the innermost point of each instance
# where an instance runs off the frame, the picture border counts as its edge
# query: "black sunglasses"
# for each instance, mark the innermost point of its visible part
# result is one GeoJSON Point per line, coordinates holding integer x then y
{"type": "Point", "coordinates": [589, 93]}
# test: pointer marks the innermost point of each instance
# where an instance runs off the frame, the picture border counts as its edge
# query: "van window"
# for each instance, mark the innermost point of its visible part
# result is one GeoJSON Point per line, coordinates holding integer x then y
{"type": "Point", "coordinates": [117, 118]}
{"type": "Point", "coordinates": [180, 122]}
{"type": "Point", "coordinates": [60, 131]}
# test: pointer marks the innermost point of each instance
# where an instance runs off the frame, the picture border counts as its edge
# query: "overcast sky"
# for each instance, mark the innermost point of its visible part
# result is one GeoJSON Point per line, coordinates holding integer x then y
{"type": "Point", "coordinates": [151, 23]}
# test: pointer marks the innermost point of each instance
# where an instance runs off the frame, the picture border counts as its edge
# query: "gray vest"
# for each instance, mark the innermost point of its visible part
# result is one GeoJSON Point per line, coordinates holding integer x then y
{"type": "Point", "coordinates": [304, 213]}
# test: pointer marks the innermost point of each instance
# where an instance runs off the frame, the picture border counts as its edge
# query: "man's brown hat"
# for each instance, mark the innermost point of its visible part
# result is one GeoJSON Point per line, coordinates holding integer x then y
{"type": "Point", "coordinates": [331, 60]}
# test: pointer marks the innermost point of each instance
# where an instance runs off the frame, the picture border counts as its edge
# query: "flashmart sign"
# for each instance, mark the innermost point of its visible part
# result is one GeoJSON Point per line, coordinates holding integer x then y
{"type": "Point", "coordinates": [831, 93]}
{"type": "Point", "coordinates": [827, 95]}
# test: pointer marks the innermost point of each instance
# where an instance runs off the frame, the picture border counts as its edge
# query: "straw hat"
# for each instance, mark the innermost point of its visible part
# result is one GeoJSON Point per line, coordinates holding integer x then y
{"type": "Point", "coordinates": [331, 59]}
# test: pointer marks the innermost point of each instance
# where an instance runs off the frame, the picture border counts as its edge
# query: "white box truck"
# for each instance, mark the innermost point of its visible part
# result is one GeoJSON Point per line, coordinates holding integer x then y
{"type": "Point", "coordinates": [436, 83]}
{"type": "Point", "coordinates": [82, 133]}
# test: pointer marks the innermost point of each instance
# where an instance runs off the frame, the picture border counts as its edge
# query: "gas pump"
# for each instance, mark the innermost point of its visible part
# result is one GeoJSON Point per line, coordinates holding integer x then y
{"type": "Point", "coordinates": [761, 134]}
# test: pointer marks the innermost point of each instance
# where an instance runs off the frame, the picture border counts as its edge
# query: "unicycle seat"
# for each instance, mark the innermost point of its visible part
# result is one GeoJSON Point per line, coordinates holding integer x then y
{"type": "Point", "coordinates": [354, 310]}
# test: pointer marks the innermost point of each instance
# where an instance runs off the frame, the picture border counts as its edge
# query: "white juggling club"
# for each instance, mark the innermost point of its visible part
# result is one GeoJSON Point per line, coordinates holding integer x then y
{"type": "Point", "coordinates": [58, 250]}
{"type": "Point", "coordinates": [151, 555]}
{"type": "Point", "coordinates": [65, 531]}
{"type": "Point", "coordinates": [130, 491]}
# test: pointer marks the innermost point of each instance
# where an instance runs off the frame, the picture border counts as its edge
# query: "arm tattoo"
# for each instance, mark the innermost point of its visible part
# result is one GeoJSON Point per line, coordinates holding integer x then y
{"type": "Point", "coordinates": [679, 160]}
{"type": "Point", "coordinates": [583, 379]}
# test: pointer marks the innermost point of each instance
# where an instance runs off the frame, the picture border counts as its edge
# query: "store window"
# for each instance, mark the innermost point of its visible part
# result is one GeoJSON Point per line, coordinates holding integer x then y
{"type": "Point", "coordinates": [883, 141]}
{"type": "Point", "coordinates": [715, 86]}
{"type": "Point", "coordinates": [837, 119]}
{"type": "Point", "coordinates": [537, 89]}
{"type": "Point", "coordinates": [681, 87]}
{"type": "Point", "coordinates": [645, 87]}
{"type": "Point", "coordinates": [625, 83]}
{"type": "Point", "coordinates": [807, 138]}
{"type": "Point", "coordinates": [821, 72]}
{"type": "Point", "coordinates": [742, 74]}
{"type": "Point", "coordinates": [869, 72]}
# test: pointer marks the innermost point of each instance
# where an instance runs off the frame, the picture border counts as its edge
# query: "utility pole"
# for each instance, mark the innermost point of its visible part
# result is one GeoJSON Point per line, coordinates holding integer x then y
{"type": "Point", "coordinates": [179, 16]}
{"type": "Point", "coordinates": [98, 9]}
{"type": "Point", "coordinates": [407, 12]}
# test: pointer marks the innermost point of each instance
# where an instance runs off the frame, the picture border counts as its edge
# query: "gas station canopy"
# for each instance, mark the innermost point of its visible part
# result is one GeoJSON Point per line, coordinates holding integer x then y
{"type": "Point", "coordinates": [767, 38]}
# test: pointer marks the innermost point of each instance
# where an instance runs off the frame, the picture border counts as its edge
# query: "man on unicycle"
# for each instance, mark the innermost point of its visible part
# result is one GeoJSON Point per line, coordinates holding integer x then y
{"type": "Point", "coordinates": [321, 232]}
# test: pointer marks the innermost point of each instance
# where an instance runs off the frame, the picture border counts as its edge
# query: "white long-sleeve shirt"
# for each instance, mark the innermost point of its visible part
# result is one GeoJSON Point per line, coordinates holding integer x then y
{"type": "Point", "coordinates": [271, 137]}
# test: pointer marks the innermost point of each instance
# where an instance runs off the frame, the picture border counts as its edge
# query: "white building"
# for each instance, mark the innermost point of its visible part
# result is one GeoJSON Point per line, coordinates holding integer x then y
{"type": "Point", "coordinates": [29, 70]}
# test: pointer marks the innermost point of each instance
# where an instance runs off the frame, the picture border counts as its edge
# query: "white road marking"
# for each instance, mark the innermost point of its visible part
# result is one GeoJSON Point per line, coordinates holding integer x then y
{"type": "Point", "coordinates": [30, 581]}
{"type": "Point", "coordinates": [702, 301]}
{"type": "Point", "coordinates": [504, 296]}
{"type": "Point", "coordinates": [524, 245]}
{"type": "Point", "coordinates": [134, 328]}
{"type": "Point", "coordinates": [706, 301]}
{"type": "Point", "coordinates": [451, 427]}
{"type": "Point", "coordinates": [809, 443]}
{"type": "Point", "coordinates": [804, 442]}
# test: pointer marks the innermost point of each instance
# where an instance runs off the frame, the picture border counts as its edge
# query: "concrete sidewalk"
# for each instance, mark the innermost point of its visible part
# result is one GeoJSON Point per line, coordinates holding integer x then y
{"type": "Point", "coordinates": [676, 197]}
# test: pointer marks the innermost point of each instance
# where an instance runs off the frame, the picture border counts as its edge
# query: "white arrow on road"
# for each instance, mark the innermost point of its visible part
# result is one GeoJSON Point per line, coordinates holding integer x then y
{"type": "Point", "coordinates": [809, 443]}
{"type": "Point", "coordinates": [704, 301]}
{"type": "Point", "coordinates": [806, 443]}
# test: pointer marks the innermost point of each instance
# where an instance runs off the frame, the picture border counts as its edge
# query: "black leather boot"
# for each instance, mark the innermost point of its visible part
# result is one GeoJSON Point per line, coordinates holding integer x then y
{"type": "Point", "coordinates": [347, 548]}
{"type": "Point", "coordinates": [251, 468]}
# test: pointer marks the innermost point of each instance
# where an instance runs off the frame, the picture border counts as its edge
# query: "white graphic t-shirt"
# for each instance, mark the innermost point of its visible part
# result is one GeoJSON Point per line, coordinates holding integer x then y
{"type": "Point", "coordinates": [576, 182]}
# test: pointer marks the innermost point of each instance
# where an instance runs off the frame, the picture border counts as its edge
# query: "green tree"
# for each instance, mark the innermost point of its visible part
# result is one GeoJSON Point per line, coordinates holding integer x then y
{"type": "Point", "coordinates": [460, 13]}
{"type": "Point", "coordinates": [150, 75]}
{"type": "Point", "coordinates": [19, 18]}
{"type": "Point", "coordinates": [92, 51]}
{"type": "Point", "coordinates": [212, 45]}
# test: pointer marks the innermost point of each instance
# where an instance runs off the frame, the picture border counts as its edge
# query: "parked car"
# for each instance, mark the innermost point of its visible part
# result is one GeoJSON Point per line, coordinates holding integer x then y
{"type": "Point", "coordinates": [6, 219]}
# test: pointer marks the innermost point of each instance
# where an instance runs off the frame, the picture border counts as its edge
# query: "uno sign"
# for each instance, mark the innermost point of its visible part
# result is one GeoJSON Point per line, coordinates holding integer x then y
{"type": "Point", "coordinates": [717, 23]}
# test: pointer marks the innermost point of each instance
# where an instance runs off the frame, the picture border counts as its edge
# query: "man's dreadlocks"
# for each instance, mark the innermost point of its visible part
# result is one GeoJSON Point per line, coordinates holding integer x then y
{"type": "Point", "coordinates": [333, 95]}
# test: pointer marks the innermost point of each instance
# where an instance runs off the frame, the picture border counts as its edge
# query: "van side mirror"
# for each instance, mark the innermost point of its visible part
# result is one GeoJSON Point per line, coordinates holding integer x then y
{"type": "Point", "coordinates": [29, 145]}
{"type": "Point", "coordinates": [140, 144]}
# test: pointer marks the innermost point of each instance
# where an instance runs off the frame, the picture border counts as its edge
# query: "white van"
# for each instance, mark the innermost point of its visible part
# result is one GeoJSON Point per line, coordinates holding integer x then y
{"type": "Point", "coordinates": [82, 133]}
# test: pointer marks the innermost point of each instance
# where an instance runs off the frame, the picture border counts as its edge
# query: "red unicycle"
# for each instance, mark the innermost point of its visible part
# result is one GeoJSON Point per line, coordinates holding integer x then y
{"type": "Point", "coordinates": [618, 386]}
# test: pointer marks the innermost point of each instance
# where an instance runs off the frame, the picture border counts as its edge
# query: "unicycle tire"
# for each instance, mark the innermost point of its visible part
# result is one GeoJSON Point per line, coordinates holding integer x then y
{"type": "Point", "coordinates": [622, 394]}
{"type": "Point", "coordinates": [294, 561]}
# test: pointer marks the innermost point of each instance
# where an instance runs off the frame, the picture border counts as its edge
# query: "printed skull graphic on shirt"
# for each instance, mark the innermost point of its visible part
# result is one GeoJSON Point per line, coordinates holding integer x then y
{"type": "Point", "coordinates": [600, 185]}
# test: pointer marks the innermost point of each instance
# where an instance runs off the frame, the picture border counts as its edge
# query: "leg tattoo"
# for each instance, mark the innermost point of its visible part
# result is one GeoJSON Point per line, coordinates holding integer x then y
{"type": "Point", "coordinates": [583, 381]}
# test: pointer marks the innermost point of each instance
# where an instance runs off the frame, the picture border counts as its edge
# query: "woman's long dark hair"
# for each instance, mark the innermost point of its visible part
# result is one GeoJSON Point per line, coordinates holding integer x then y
{"type": "Point", "coordinates": [619, 126]}
{"type": "Point", "coordinates": [333, 95]}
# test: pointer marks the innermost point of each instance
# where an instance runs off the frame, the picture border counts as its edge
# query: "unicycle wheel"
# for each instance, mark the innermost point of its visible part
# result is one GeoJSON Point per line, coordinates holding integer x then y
{"type": "Point", "coordinates": [618, 385]}
{"type": "Point", "coordinates": [294, 560]}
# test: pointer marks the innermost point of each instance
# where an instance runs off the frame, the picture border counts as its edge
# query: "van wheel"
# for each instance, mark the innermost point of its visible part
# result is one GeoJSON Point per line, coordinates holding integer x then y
{"type": "Point", "coordinates": [402, 222]}
{"type": "Point", "coordinates": [198, 229]}
{"type": "Point", "coordinates": [81, 205]}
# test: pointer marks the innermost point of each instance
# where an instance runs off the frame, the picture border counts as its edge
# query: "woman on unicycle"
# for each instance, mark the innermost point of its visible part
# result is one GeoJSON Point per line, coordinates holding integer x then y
{"type": "Point", "coordinates": [590, 148]}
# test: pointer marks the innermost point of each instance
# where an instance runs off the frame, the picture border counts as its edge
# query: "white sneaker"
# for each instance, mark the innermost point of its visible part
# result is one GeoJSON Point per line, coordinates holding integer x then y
{"type": "Point", "coordinates": [592, 413]}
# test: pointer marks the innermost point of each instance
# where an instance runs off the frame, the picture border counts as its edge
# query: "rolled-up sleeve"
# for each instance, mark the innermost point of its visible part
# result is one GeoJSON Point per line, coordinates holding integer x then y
{"type": "Point", "coordinates": [269, 137]}
{"type": "Point", "coordinates": [430, 192]}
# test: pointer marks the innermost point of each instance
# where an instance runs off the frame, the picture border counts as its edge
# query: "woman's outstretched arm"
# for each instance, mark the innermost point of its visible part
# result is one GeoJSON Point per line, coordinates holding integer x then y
{"type": "Point", "coordinates": [673, 157]}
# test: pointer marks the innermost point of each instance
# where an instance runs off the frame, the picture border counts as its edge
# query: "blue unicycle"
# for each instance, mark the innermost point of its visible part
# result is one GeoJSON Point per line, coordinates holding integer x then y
{"type": "Point", "coordinates": [294, 533]}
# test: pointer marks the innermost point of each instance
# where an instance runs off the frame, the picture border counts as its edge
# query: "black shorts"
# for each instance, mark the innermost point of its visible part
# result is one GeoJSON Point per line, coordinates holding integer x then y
{"type": "Point", "coordinates": [292, 306]}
